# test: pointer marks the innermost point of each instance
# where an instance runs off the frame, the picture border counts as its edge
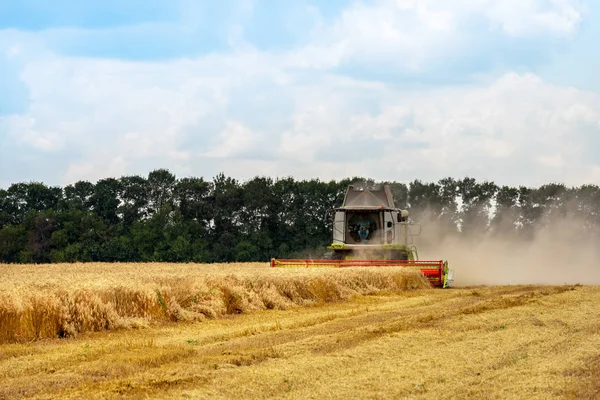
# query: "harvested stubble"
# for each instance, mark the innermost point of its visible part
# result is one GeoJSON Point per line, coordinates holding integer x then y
{"type": "Point", "coordinates": [62, 300]}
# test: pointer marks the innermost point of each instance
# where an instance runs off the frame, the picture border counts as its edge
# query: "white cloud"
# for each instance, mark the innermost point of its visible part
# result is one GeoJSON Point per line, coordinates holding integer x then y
{"type": "Point", "coordinates": [108, 167]}
{"type": "Point", "coordinates": [191, 115]}
{"type": "Point", "coordinates": [25, 130]}
{"type": "Point", "coordinates": [552, 161]}
{"type": "Point", "coordinates": [592, 175]}
{"type": "Point", "coordinates": [411, 34]}
{"type": "Point", "coordinates": [527, 17]}
{"type": "Point", "coordinates": [121, 117]}
{"type": "Point", "coordinates": [495, 148]}
{"type": "Point", "coordinates": [501, 131]}
{"type": "Point", "coordinates": [13, 51]}
{"type": "Point", "coordinates": [235, 140]}
{"type": "Point", "coordinates": [404, 33]}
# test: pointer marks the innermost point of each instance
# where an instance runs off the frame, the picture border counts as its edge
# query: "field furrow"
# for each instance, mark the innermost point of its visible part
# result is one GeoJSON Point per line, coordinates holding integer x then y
{"type": "Point", "coordinates": [485, 342]}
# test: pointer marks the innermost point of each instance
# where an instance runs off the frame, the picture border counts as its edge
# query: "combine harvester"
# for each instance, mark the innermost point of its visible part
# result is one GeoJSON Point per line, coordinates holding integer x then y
{"type": "Point", "coordinates": [369, 231]}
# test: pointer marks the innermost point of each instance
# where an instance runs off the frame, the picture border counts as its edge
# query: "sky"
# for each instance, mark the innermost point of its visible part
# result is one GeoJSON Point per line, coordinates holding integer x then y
{"type": "Point", "coordinates": [500, 90]}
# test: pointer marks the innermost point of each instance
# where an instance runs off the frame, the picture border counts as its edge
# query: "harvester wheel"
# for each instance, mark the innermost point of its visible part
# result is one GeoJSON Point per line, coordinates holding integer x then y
{"type": "Point", "coordinates": [400, 255]}
{"type": "Point", "coordinates": [333, 255]}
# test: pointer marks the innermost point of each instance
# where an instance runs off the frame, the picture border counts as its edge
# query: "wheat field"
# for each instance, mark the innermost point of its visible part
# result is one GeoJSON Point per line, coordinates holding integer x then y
{"type": "Point", "coordinates": [248, 331]}
{"type": "Point", "coordinates": [64, 300]}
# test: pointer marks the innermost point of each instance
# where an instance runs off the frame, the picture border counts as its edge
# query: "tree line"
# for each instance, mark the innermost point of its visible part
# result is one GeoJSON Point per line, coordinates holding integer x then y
{"type": "Point", "coordinates": [164, 218]}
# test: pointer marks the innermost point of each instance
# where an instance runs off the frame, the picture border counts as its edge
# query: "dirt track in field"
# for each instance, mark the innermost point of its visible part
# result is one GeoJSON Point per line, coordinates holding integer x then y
{"type": "Point", "coordinates": [482, 342]}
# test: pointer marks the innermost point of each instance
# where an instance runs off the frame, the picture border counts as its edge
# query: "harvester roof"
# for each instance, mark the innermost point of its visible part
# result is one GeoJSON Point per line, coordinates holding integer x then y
{"type": "Point", "coordinates": [368, 199]}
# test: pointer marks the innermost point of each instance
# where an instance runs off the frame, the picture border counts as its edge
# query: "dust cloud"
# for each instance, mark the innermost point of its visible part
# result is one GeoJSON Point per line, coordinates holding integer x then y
{"type": "Point", "coordinates": [560, 252]}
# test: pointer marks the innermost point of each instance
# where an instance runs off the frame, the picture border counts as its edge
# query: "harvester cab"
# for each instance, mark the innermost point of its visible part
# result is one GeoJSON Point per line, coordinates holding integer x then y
{"type": "Point", "coordinates": [369, 231]}
{"type": "Point", "coordinates": [368, 225]}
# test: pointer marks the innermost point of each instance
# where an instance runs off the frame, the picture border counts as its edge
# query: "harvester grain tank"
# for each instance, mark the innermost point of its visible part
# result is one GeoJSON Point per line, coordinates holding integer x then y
{"type": "Point", "coordinates": [369, 231]}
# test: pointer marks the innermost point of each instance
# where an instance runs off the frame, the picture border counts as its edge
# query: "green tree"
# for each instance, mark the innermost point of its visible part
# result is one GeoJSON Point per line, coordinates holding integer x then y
{"type": "Point", "coordinates": [476, 207]}
{"type": "Point", "coordinates": [161, 184]}
{"type": "Point", "coordinates": [435, 201]}
{"type": "Point", "coordinates": [258, 216]}
{"type": "Point", "coordinates": [192, 197]}
{"type": "Point", "coordinates": [13, 244]}
{"type": "Point", "coordinates": [162, 218]}
{"type": "Point", "coordinates": [40, 227]}
{"type": "Point", "coordinates": [105, 200]}
{"type": "Point", "coordinates": [586, 207]}
{"type": "Point", "coordinates": [226, 202]}
{"type": "Point", "coordinates": [78, 196]}
{"type": "Point", "coordinates": [133, 195]}
{"type": "Point", "coordinates": [507, 215]}
{"type": "Point", "coordinates": [7, 210]}
{"type": "Point", "coordinates": [21, 198]}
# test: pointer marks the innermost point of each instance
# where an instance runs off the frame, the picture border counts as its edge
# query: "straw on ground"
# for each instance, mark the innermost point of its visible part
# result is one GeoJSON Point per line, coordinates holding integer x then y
{"type": "Point", "coordinates": [534, 342]}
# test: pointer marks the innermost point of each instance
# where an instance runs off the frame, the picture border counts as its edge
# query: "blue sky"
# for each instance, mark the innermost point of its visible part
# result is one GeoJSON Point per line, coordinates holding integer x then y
{"type": "Point", "coordinates": [504, 90]}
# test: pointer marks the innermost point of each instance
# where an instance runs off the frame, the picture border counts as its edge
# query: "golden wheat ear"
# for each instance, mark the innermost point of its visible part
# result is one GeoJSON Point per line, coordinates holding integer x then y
{"type": "Point", "coordinates": [102, 296]}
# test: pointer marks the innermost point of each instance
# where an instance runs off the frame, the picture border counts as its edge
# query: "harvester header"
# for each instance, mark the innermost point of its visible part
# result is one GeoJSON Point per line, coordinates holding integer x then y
{"type": "Point", "coordinates": [369, 231]}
